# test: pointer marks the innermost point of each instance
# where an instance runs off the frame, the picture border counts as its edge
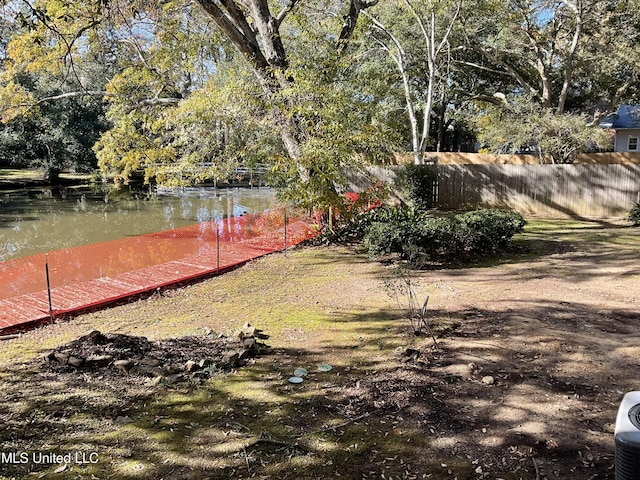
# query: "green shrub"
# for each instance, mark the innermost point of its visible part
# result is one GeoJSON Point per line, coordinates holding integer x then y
{"type": "Point", "coordinates": [417, 183]}
{"type": "Point", "coordinates": [354, 229]}
{"type": "Point", "coordinates": [352, 215]}
{"type": "Point", "coordinates": [393, 230]}
{"type": "Point", "coordinates": [416, 236]}
{"type": "Point", "coordinates": [490, 230]}
{"type": "Point", "coordinates": [634, 215]}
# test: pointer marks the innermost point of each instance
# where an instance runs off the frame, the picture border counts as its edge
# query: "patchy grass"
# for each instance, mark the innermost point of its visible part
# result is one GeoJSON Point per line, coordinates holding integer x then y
{"type": "Point", "coordinates": [232, 426]}
{"type": "Point", "coordinates": [375, 415]}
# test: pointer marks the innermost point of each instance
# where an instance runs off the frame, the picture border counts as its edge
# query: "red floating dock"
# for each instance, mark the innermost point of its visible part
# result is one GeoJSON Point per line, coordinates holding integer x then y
{"type": "Point", "coordinates": [91, 276]}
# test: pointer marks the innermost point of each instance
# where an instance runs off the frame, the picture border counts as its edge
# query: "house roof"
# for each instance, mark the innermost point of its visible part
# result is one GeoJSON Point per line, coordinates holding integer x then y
{"type": "Point", "coordinates": [627, 116]}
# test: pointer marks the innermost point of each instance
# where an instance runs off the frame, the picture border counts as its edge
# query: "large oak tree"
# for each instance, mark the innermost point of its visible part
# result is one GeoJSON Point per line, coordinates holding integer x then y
{"type": "Point", "coordinates": [255, 30]}
{"type": "Point", "coordinates": [547, 71]}
{"type": "Point", "coordinates": [167, 55]}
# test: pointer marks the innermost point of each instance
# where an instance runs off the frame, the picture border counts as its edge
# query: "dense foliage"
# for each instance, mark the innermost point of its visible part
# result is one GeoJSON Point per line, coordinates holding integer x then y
{"type": "Point", "coordinates": [419, 237]}
{"type": "Point", "coordinates": [193, 90]}
{"type": "Point", "coordinates": [61, 137]}
{"type": "Point", "coordinates": [634, 215]}
{"type": "Point", "coordinates": [417, 185]}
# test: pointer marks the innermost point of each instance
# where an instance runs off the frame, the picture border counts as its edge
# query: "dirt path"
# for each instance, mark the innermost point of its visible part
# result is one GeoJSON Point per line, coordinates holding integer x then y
{"type": "Point", "coordinates": [535, 352]}
{"type": "Point", "coordinates": [558, 336]}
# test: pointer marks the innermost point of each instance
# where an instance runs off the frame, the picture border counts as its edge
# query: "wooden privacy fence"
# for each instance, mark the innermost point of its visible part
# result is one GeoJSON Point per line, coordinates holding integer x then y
{"type": "Point", "coordinates": [594, 190]}
{"type": "Point", "coordinates": [551, 190]}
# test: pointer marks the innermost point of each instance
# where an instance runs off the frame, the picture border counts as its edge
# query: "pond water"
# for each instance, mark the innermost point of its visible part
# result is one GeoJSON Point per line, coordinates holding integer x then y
{"type": "Point", "coordinates": [40, 220]}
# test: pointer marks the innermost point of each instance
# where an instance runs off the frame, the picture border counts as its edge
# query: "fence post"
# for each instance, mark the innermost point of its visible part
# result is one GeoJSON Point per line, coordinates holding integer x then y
{"type": "Point", "coordinates": [46, 269]}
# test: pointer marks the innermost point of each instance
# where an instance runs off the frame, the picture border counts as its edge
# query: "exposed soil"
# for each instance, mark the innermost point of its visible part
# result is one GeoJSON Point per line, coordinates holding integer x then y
{"type": "Point", "coordinates": [534, 353]}
{"type": "Point", "coordinates": [533, 368]}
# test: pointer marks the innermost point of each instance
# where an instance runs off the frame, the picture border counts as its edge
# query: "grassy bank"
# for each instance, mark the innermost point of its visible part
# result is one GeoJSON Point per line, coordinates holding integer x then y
{"type": "Point", "coordinates": [17, 178]}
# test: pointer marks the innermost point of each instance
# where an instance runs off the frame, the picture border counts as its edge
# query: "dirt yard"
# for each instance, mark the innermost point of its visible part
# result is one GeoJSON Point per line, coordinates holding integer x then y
{"type": "Point", "coordinates": [534, 353]}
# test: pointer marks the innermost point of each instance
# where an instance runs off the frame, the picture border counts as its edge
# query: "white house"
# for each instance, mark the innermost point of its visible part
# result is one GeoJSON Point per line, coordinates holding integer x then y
{"type": "Point", "coordinates": [625, 124]}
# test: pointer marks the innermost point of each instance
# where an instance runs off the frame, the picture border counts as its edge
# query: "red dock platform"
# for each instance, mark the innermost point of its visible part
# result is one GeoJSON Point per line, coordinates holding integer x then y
{"type": "Point", "coordinates": [92, 276]}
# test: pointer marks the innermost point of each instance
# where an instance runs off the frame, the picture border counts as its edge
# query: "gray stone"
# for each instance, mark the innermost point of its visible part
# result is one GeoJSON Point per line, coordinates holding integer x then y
{"type": "Point", "coordinates": [75, 361]}
{"type": "Point", "coordinates": [244, 354]}
{"type": "Point", "coordinates": [488, 380]}
{"type": "Point", "coordinates": [62, 358]}
{"type": "Point", "coordinates": [123, 365]}
{"type": "Point", "coordinates": [49, 356]}
{"type": "Point", "coordinates": [205, 362]}
{"type": "Point", "coordinates": [98, 360]}
{"type": "Point", "coordinates": [175, 378]}
{"type": "Point", "coordinates": [248, 329]}
{"type": "Point", "coordinates": [230, 358]}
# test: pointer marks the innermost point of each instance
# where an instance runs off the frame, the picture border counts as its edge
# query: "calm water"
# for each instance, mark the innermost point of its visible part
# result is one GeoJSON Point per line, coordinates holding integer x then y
{"type": "Point", "coordinates": [40, 220]}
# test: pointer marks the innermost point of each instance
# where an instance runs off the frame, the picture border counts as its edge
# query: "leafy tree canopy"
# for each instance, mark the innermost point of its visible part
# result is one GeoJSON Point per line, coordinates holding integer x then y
{"type": "Point", "coordinates": [50, 135]}
{"type": "Point", "coordinates": [521, 125]}
{"type": "Point", "coordinates": [416, 36]}
{"type": "Point", "coordinates": [193, 89]}
{"type": "Point", "coordinates": [197, 88]}
{"type": "Point", "coordinates": [549, 70]}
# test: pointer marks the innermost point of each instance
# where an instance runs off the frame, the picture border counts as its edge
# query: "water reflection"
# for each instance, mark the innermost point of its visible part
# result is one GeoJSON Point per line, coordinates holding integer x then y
{"type": "Point", "coordinates": [40, 220]}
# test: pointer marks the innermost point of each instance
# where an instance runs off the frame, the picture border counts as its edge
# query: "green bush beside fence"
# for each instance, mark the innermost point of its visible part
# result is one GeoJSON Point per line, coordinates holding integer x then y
{"type": "Point", "coordinates": [634, 215]}
{"type": "Point", "coordinates": [417, 236]}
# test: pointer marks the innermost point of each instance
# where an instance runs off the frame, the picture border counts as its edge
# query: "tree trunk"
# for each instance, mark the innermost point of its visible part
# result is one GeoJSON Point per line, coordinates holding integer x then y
{"type": "Point", "coordinates": [424, 140]}
{"type": "Point", "coordinates": [52, 175]}
{"type": "Point", "coordinates": [442, 128]}
{"type": "Point", "coordinates": [546, 84]}
{"type": "Point", "coordinates": [570, 58]}
{"type": "Point", "coordinates": [255, 32]}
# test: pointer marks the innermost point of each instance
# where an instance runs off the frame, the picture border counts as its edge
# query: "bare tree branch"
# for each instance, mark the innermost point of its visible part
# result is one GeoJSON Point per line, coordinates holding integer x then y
{"type": "Point", "coordinates": [234, 24]}
{"type": "Point", "coordinates": [286, 10]}
{"type": "Point", "coordinates": [494, 100]}
{"type": "Point", "coordinates": [498, 60]}
{"type": "Point", "coordinates": [351, 20]}
{"type": "Point", "coordinates": [156, 102]}
{"type": "Point", "coordinates": [80, 93]}
{"type": "Point", "coordinates": [148, 102]}
{"type": "Point", "coordinates": [481, 67]}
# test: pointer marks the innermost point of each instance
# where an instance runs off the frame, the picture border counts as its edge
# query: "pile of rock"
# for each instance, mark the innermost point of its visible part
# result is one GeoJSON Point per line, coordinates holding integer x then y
{"type": "Point", "coordinates": [411, 356]}
{"type": "Point", "coordinates": [168, 361]}
{"type": "Point", "coordinates": [249, 346]}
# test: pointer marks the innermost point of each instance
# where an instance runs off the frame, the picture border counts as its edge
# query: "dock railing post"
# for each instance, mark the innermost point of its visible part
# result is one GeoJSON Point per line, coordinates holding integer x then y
{"type": "Point", "coordinates": [46, 269]}
{"type": "Point", "coordinates": [285, 231]}
{"type": "Point", "coordinates": [218, 248]}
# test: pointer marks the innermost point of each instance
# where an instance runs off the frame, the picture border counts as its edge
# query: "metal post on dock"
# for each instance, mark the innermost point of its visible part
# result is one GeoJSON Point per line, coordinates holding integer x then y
{"type": "Point", "coordinates": [218, 247]}
{"type": "Point", "coordinates": [46, 269]}
{"type": "Point", "coordinates": [285, 231]}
